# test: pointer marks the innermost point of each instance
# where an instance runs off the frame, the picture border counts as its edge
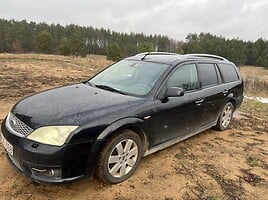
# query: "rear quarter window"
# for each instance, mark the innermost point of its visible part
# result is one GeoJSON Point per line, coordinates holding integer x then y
{"type": "Point", "coordinates": [228, 72]}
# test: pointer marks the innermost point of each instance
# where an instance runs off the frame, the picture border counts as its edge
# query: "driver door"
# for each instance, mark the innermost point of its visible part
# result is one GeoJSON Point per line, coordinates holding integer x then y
{"type": "Point", "coordinates": [178, 116]}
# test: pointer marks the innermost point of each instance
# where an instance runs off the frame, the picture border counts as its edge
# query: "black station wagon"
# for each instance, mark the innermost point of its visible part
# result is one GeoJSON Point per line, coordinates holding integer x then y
{"type": "Point", "coordinates": [133, 108]}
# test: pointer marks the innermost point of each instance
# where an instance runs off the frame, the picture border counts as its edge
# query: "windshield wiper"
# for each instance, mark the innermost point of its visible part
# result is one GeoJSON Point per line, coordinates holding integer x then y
{"type": "Point", "coordinates": [91, 84]}
{"type": "Point", "coordinates": [109, 88]}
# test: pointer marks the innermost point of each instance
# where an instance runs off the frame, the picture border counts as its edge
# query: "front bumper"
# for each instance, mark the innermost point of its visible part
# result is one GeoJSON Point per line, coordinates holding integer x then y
{"type": "Point", "coordinates": [47, 163]}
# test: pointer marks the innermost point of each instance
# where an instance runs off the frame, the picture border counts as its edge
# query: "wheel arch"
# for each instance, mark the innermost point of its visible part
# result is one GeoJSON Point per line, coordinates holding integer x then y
{"type": "Point", "coordinates": [126, 123]}
{"type": "Point", "coordinates": [231, 99]}
{"type": "Point", "coordinates": [233, 102]}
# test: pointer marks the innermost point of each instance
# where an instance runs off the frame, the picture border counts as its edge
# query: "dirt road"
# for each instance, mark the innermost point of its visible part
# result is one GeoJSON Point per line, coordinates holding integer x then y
{"type": "Point", "coordinates": [232, 164]}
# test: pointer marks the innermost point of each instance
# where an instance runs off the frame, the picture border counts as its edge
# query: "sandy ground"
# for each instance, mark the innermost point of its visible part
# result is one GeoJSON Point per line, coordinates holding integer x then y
{"type": "Point", "coordinates": [232, 164]}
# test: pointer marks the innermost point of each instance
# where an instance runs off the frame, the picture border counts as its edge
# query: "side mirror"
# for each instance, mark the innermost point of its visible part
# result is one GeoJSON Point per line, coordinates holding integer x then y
{"type": "Point", "coordinates": [174, 92]}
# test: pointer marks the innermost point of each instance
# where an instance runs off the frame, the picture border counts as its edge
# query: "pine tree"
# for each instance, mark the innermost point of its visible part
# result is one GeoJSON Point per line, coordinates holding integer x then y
{"type": "Point", "coordinates": [43, 42]}
{"type": "Point", "coordinates": [114, 52]}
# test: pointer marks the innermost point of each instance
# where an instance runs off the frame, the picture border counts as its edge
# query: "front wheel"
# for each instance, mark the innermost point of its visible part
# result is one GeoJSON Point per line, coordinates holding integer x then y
{"type": "Point", "coordinates": [225, 117]}
{"type": "Point", "coordinates": [119, 157]}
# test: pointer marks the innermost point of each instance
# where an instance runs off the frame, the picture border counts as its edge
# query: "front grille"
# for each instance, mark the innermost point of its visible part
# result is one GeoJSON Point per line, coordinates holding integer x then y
{"type": "Point", "coordinates": [18, 126]}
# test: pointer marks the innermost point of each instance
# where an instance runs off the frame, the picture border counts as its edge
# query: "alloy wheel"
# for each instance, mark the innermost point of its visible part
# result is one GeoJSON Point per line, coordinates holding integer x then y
{"type": "Point", "coordinates": [122, 158]}
{"type": "Point", "coordinates": [227, 115]}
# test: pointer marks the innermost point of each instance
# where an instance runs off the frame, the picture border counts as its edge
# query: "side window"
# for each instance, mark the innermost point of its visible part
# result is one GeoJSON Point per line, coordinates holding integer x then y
{"type": "Point", "coordinates": [184, 77]}
{"type": "Point", "coordinates": [228, 73]}
{"type": "Point", "coordinates": [207, 74]}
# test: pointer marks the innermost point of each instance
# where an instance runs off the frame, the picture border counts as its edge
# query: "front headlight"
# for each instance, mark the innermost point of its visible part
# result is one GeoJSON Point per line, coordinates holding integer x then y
{"type": "Point", "coordinates": [53, 135]}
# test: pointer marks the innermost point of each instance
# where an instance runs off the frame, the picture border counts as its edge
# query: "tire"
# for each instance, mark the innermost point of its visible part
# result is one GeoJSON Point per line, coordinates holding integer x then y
{"type": "Point", "coordinates": [119, 157]}
{"type": "Point", "coordinates": [225, 117]}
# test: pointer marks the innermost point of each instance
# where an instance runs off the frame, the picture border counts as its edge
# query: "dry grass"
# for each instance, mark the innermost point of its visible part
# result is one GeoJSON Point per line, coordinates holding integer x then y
{"type": "Point", "coordinates": [89, 61]}
{"type": "Point", "coordinates": [255, 80]}
{"type": "Point", "coordinates": [24, 74]}
{"type": "Point", "coordinates": [255, 108]}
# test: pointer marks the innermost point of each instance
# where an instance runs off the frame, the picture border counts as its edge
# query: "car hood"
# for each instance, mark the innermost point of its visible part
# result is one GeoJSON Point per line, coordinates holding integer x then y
{"type": "Point", "coordinates": [71, 105]}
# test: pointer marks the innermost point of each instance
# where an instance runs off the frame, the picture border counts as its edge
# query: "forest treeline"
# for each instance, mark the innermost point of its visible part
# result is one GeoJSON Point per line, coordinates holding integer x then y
{"type": "Point", "coordinates": [30, 37]}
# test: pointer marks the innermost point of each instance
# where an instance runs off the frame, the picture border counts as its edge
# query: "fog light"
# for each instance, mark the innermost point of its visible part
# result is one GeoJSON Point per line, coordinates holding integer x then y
{"type": "Point", "coordinates": [53, 173]}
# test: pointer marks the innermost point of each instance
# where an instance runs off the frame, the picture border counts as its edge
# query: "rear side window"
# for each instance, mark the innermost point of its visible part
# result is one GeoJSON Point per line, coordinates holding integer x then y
{"type": "Point", "coordinates": [228, 72]}
{"type": "Point", "coordinates": [207, 74]}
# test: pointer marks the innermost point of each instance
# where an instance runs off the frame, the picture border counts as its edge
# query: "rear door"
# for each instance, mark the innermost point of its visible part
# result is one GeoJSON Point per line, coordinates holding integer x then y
{"type": "Point", "coordinates": [213, 90]}
{"type": "Point", "coordinates": [233, 86]}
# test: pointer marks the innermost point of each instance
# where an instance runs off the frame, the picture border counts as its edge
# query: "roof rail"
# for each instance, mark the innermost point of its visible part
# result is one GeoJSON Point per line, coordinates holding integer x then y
{"type": "Point", "coordinates": [208, 56]}
{"type": "Point", "coordinates": [155, 53]}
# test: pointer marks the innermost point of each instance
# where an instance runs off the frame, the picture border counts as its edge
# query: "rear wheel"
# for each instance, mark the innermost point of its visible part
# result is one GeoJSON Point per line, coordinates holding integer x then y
{"type": "Point", "coordinates": [226, 117]}
{"type": "Point", "coordinates": [119, 157]}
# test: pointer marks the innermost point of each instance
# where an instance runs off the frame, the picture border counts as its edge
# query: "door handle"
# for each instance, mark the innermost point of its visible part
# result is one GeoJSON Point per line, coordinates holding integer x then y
{"type": "Point", "coordinates": [199, 101]}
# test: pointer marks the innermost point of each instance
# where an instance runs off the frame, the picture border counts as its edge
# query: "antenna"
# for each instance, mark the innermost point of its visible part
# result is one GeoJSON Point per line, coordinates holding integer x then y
{"type": "Point", "coordinates": [146, 54]}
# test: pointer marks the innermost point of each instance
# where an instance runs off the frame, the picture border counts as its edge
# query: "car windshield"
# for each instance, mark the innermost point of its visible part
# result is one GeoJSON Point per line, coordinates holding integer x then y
{"type": "Point", "coordinates": [129, 77]}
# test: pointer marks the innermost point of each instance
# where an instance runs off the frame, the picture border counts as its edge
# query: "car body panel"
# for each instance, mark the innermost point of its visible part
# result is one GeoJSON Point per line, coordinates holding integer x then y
{"type": "Point", "coordinates": [173, 119]}
{"type": "Point", "coordinates": [75, 104]}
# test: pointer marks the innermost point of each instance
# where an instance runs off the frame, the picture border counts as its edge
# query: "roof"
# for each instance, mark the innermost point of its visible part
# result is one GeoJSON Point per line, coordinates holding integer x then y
{"type": "Point", "coordinates": [169, 58]}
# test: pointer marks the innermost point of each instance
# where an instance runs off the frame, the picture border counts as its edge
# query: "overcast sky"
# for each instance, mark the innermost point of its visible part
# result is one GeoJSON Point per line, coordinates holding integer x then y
{"type": "Point", "coordinates": [244, 19]}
